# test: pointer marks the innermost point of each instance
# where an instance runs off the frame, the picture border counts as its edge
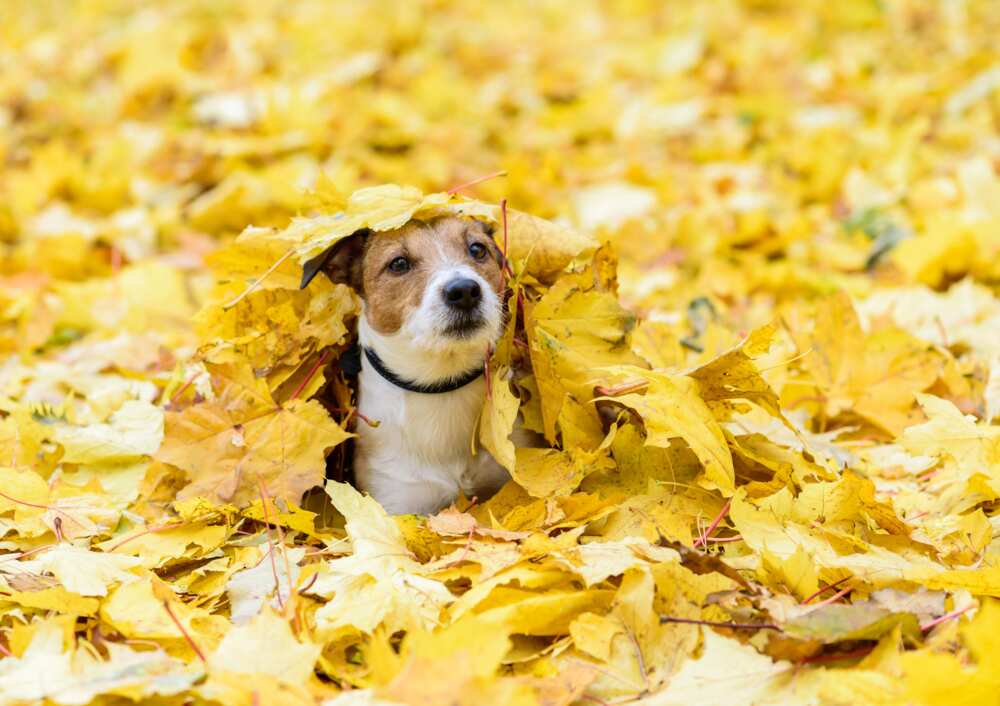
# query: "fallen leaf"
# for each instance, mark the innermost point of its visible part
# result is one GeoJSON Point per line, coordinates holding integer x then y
{"type": "Point", "coordinates": [266, 645]}
{"type": "Point", "coordinates": [249, 442]}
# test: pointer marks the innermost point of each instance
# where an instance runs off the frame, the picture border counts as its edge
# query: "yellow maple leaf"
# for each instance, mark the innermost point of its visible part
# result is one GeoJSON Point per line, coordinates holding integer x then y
{"type": "Point", "coordinates": [874, 375]}
{"type": "Point", "coordinates": [379, 583]}
{"type": "Point", "coordinates": [266, 645]}
{"type": "Point", "coordinates": [541, 248]}
{"type": "Point", "coordinates": [256, 312]}
{"type": "Point", "coordinates": [750, 677]}
{"type": "Point", "coordinates": [937, 679]}
{"type": "Point", "coordinates": [71, 677]}
{"type": "Point", "coordinates": [135, 429]}
{"type": "Point", "coordinates": [572, 331]}
{"type": "Point", "coordinates": [497, 420]}
{"type": "Point", "coordinates": [86, 573]}
{"type": "Point", "coordinates": [671, 408]}
{"type": "Point", "coordinates": [378, 207]}
{"type": "Point", "coordinates": [552, 472]}
{"type": "Point", "coordinates": [734, 376]}
{"type": "Point", "coordinates": [242, 441]}
{"type": "Point", "coordinates": [974, 448]}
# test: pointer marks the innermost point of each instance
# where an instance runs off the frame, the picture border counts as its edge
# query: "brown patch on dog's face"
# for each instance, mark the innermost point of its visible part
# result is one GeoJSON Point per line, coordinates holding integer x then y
{"type": "Point", "coordinates": [397, 265]}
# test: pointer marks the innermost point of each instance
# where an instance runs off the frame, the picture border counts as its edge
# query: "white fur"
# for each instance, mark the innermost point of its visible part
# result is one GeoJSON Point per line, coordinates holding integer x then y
{"type": "Point", "coordinates": [421, 453]}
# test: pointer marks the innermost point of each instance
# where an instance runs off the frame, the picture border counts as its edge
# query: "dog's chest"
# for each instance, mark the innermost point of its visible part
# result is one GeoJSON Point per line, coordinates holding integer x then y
{"type": "Point", "coordinates": [425, 429]}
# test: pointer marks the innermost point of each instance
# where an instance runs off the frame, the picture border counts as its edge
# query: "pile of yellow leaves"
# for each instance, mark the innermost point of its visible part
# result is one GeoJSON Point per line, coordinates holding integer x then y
{"type": "Point", "coordinates": [754, 313]}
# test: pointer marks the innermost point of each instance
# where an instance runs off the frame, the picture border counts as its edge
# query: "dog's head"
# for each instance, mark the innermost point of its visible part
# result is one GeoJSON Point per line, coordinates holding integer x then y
{"type": "Point", "coordinates": [435, 286]}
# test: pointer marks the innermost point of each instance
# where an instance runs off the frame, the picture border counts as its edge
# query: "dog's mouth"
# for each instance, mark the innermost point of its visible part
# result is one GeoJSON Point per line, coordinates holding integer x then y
{"type": "Point", "coordinates": [465, 325]}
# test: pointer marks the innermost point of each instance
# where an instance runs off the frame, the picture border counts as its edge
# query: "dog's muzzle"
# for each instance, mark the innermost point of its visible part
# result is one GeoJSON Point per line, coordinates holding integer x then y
{"type": "Point", "coordinates": [463, 297]}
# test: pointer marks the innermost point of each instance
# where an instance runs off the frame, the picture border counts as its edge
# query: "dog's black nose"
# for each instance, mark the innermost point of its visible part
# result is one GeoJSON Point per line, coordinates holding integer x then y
{"type": "Point", "coordinates": [463, 294]}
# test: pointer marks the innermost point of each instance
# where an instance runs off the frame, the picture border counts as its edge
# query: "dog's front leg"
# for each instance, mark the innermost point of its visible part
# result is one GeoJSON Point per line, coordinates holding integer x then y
{"type": "Point", "coordinates": [416, 494]}
{"type": "Point", "coordinates": [484, 476]}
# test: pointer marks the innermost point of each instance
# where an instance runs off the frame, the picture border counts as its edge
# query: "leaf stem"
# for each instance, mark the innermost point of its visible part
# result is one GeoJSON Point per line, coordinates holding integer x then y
{"type": "Point", "coordinates": [720, 624]}
{"type": "Point", "coordinates": [257, 282]}
{"type": "Point", "coordinates": [836, 596]}
{"type": "Point", "coordinates": [148, 530]}
{"type": "Point", "coordinates": [184, 632]}
{"type": "Point", "coordinates": [712, 527]}
{"type": "Point", "coordinates": [319, 364]}
{"type": "Point", "coordinates": [508, 272]}
{"type": "Point", "coordinates": [182, 389]}
{"type": "Point", "coordinates": [623, 389]}
{"type": "Point", "coordinates": [947, 616]}
{"type": "Point", "coordinates": [827, 587]}
{"type": "Point", "coordinates": [478, 180]}
{"type": "Point", "coordinates": [271, 547]}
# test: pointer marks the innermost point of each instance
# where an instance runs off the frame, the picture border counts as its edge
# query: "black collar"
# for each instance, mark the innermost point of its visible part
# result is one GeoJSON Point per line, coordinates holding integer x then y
{"type": "Point", "coordinates": [436, 388]}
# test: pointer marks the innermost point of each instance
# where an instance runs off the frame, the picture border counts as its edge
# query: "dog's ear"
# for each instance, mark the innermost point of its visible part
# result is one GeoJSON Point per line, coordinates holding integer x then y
{"type": "Point", "coordinates": [341, 262]}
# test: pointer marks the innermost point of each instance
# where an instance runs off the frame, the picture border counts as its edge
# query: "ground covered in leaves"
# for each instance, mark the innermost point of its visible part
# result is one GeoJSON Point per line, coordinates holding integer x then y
{"type": "Point", "coordinates": [755, 264]}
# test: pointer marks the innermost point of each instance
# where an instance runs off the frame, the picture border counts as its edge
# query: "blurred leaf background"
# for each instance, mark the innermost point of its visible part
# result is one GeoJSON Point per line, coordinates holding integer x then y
{"type": "Point", "coordinates": [819, 176]}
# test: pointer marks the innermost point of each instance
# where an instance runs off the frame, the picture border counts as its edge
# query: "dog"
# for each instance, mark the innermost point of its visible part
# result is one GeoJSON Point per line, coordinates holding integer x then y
{"type": "Point", "coordinates": [432, 309]}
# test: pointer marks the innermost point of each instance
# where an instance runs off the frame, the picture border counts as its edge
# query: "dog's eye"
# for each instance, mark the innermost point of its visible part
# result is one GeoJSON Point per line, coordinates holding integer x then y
{"type": "Point", "coordinates": [399, 265]}
{"type": "Point", "coordinates": [478, 251]}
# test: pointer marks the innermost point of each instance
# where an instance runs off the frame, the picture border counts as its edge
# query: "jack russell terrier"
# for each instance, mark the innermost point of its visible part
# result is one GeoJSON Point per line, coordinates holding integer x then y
{"type": "Point", "coordinates": [431, 312]}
